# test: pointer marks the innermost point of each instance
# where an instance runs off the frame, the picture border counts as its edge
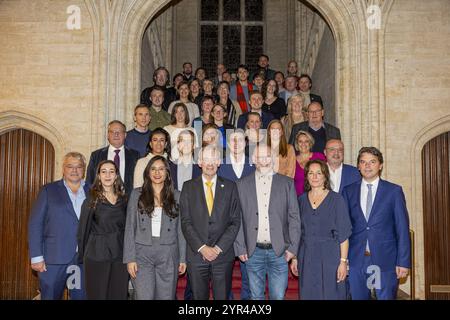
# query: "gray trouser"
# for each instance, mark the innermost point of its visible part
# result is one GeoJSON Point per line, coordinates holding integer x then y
{"type": "Point", "coordinates": [157, 271]}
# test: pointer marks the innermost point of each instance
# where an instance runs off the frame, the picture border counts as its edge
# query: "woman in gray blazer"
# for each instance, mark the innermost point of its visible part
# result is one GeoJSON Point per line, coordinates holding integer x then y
{"type": "Point", "coordinates": [154, 248]}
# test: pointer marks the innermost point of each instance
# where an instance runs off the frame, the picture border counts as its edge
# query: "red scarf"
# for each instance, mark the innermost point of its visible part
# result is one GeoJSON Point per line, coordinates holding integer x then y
{"type": "Point", "coordinates": [241, 97]}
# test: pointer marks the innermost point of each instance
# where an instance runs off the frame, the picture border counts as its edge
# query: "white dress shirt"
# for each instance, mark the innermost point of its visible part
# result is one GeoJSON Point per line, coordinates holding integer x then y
{"type": "Point", "coordinates": [156, 222]}
{"type": "Point", "coordinates": [238, 166]}
{"type": "Point", "coordinates": [263, 189]}
{"type": "Point", "coordinates": [213, 186]}
{"type": "Point", "coordinates": [335, 178]}
{"type": "Point", "coordinates": [112, 154]}
{"type": "Point", "coordinates": [184, 173]}
{"type": "Point", "coordinates": [365, 190]}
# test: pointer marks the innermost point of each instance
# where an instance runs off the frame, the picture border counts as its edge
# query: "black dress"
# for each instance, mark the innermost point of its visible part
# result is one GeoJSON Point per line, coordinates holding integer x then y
{"type": "Point", "coordinates": [323, 230]}
{"type": "Point", "coordinates": [277, 108]}
{"type": "Point", "coordinates": [100, 242]}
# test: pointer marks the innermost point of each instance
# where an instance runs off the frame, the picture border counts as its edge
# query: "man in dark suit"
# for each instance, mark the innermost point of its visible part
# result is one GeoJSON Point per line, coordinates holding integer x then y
{"type": "Point", "coordinates": [270, 230]}
{"type": "Point", "coordinates": [320, 130]}
{"type": "Point", "coordinates": [256, 103]}
{"type": "Point", "coordinates": [210, 220]}
{"type": "Point", "coordinates": [305, 84]}
{"type": "Point", "coordinates": [341, 175]}
{"type": "Point", "coordinates": [52, 231]}
{"type": "Point", "coordinates": [380, 249]}
{"type": "Point", "coordinates": [263, 67]}
{"type": "Point", "coordinates": [236, 166]}
{"type": "Point", "coordinates": [124, 158]}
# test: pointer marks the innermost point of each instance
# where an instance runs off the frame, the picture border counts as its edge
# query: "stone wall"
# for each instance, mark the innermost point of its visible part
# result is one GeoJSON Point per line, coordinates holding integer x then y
{"type": "Point", "coordinates": [46, 71]}
{"type": "Point", "coordinates": [324, 75]}
{"type": "Point", "coordinates": [417, 95]}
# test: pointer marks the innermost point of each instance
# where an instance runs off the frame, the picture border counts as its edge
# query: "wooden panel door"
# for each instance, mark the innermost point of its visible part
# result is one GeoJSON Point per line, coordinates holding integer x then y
{"type": "Point", "coordinates": [436, 208]}
{"type": "Point", "coordinates": [26, 163]}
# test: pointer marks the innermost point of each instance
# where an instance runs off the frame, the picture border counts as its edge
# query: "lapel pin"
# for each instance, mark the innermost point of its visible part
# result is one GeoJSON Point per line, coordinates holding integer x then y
{"type": "Point", "coordinates": [222, 186]}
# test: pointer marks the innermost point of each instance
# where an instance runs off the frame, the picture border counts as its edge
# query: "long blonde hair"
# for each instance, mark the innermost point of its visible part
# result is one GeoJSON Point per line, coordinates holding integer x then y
{"type": "Point", "coordinates": [288, 119]}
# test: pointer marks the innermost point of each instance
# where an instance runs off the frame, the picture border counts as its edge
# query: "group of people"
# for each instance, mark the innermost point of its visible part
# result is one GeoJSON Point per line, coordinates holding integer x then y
{"type": "Point", "coordinates": [207, 177]}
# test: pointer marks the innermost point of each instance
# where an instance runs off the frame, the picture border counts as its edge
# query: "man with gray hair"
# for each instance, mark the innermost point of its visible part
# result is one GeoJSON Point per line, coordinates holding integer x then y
{"type": "Point", "coordinates": [52, 231]}
{"type": "Point", "coordinates": [210, 220]}
{"type": "Point", "coordinates": [124, 158]}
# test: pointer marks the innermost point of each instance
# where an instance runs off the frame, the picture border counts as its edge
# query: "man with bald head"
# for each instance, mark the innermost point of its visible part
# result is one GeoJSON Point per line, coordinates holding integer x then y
{"type": "Point", "coordinates": [320, 130]}
{"type": "Point", "coordinates": [341, 175]}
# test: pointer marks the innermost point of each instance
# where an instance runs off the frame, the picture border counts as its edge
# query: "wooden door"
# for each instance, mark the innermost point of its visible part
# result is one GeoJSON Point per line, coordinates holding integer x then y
{"type": "Point", "coordinates": [26, 163]}
{"type": "Point", "coordinates": [436, 209]}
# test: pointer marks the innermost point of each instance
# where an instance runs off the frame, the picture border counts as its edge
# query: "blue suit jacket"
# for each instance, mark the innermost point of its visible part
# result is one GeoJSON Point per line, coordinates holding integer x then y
{"type": "Point", "coordinates": [350, 174]}
{"type": "Point", "coordinates": [226, 170]}
{"type": "Point", "coordinates": [387, 228]}
{"type": "Point", "coordinates": [53, 225]}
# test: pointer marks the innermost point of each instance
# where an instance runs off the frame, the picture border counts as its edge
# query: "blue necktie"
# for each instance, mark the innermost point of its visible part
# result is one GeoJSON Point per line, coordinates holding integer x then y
{"type": "Point", "coordinates": [369, 204]}
{"type": "Point", "coordinates": [369, 201]}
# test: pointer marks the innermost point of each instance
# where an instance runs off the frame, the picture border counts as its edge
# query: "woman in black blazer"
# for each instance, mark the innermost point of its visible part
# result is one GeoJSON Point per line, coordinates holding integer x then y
{"type": "Point", "coordinates": [100, 236]}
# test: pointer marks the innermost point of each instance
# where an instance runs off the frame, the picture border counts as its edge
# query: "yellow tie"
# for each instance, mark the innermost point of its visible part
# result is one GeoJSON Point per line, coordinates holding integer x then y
{"type": "Point", "coordinates": [209, 196]}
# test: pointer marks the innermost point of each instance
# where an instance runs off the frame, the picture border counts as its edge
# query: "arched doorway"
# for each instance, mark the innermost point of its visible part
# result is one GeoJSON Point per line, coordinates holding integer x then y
{"type": "Point", "coordinates": [238, 31]}
{"type": "Point", "coordinates": [27, 162]}
{"type": "Point", "coordinates": [436, 216]}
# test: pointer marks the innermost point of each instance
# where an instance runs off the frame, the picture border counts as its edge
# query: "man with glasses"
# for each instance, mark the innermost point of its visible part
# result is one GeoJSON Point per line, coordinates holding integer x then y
{"type": "Point", "coordinates": [341, 175]}
{"type": "Point", "coordinates": [320, 130]}
{"type": "Point", "coordinates": [210, 220]}
{"type": "Point", "coordinates": [124, 158]}
{"type": "Point", "coordinates": [52, 231]}
{"type": "Point", "coordinates": [270, 229]}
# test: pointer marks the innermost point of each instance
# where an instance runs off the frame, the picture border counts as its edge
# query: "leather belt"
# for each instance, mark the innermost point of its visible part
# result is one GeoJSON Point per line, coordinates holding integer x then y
{"type": "Point", "coordinates": [265, 246]}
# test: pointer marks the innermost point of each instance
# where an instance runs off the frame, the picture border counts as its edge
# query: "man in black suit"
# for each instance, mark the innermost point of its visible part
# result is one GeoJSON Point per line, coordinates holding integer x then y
{"type": "Point", "coordinates": [210, 220]}
{"type": "Point", "coordinates": [320, 130]}
{"type": "Point", "coordinates": [124, 158]}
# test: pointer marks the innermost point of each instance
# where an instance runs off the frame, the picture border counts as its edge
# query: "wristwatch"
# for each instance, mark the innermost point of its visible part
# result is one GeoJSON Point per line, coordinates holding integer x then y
{"type": "Point", "coordinates": [344, 260]}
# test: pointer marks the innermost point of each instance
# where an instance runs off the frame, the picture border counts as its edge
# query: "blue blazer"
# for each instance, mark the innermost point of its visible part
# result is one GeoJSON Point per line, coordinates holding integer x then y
{"type": "Point", "coordinates": [387, 228]}
{"type": "Point", "coordinates": [350, 174]}
{"type": "Point", "coordinates": [226, 170]}
{"type": "Point", "coordinates": [53, 225]}
{"type": "Point", "coordinates": [266, 117]}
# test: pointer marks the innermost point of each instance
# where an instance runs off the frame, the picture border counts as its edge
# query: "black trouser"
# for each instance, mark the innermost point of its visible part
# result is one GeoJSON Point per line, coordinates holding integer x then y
{"type": "Point", "coordinates": [220, 274]}
{"type": "Point", "coordinates": [106, 280]}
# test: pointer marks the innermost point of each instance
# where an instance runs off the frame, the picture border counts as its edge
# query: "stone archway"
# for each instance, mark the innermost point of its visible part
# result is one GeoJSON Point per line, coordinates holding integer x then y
{"type": "Point", "coordinates": [10, 120]}
{"type": "Point", "coordinates": [429, 132]}
{"type": "Point", "coordinates": [360, 104]}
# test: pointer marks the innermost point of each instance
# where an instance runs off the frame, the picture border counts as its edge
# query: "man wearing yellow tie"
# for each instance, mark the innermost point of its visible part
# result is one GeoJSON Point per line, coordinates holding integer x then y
{"type": "Point", "coordinates": [210, 220]}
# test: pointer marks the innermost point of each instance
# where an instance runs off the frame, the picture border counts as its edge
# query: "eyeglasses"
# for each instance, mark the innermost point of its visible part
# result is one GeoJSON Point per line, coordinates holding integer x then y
{"type": "Point", "coordinates": [315, 111]}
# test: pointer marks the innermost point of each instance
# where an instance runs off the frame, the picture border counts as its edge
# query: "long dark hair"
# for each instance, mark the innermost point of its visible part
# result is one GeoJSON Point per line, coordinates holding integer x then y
{"type": "Point", "coordinates": [97, 187]}
{"type": "Point", "coordinates": [146, 203]}
{"type": "Point", "coordinates": [325, 172]}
